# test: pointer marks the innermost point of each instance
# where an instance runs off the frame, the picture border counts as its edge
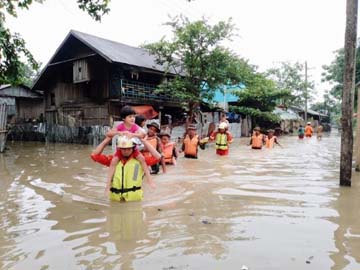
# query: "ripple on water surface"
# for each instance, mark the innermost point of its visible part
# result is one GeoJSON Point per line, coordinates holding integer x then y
{"type": "Point", "coordinates": [273, 209]}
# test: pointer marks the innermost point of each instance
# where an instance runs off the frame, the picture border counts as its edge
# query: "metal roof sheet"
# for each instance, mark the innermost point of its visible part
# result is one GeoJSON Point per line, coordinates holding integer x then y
{"type": "Point", "coordinates": [118, 52]}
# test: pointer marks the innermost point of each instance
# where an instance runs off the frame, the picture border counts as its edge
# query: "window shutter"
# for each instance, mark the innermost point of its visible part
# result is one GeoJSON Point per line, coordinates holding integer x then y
{"type": "Point", "coordinates": [80, 71]}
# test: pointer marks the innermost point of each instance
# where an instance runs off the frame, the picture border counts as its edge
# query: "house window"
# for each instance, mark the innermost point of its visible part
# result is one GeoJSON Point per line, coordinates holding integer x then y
{"type": "Point", "coordinates": [134, 75]}
{"type": "Point", "coordinates": [52, 99]}
{"type": "Point", "coordinates": [80, 71]}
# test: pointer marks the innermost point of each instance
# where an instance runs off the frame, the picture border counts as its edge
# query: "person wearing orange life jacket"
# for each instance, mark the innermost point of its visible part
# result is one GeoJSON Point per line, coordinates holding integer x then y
{"type": "Point", "coordinates": [168, 148]}
{"type": "Point", "coordinates": [309, 130]}
{"type": "Point", "coordinates": [191, 143]}
{"type": "Point", "coordinates": [271, 139]}
{"type": "Point", "coordinates": [154, 141]}
{"type": "Point", "coordinates": [222, 139]}
{"type": "Point", "coordinates": [257, 139]}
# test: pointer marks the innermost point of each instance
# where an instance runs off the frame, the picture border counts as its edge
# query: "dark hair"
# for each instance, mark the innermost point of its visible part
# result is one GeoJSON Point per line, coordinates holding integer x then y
{"type": "Point", "coordinates": [125, 111]}
{"type": "Point", "coordinates": [139, 119]}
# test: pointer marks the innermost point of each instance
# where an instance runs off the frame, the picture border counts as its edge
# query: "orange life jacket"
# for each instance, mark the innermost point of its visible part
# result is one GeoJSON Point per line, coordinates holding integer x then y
{"type": "Point", "coordinates": [167, 151]}
{"type": "Point", "coordinates": [308, 131]}
{"type": "Point", "coordinates": [154, 142]}
{"type": "Point", "coordinates": [257, 141]}
{"type": "Point", "coordinates": [191, 145]}
{"type": "Point", "coordinates": [269, 143]}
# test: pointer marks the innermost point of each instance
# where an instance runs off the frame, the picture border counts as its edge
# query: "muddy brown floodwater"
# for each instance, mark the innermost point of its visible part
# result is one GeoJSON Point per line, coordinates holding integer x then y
{"type": "Point", "coordinates": [269, 209]}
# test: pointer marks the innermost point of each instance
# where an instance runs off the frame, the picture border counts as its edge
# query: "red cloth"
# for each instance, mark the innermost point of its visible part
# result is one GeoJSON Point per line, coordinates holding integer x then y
{"type": "Point", "coordinates": [106, 160]}
{"type": "Point", "coordinates": [102, 159]}
{"type": "Point", "coordinates": [124, 160]}
{"type": "Point", "coordinates": [150, 160]}
{"type": "Point", "coordinates": [119, 155]}
{"type": "Point", "coordinates": [222, 152]}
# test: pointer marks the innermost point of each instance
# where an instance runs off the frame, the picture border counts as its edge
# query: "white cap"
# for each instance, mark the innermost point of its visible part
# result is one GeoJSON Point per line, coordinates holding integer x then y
{"type": "Point", "coordinates": [125, 142]}
{"type": "Point", "coordinates": [223, 125]}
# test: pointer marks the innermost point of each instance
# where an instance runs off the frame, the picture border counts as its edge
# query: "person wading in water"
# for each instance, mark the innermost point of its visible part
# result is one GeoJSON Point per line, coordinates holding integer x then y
{"type": "Point", "coordinates": [125, 184]}
{"type": "Point", "coordinates": [257, 139]}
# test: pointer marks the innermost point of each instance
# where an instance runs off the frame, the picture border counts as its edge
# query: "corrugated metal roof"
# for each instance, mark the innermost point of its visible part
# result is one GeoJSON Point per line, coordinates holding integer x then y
{"type": "Point", "coordinates": [4, 86]}
{"type": "Point", "coordinates": [21, 91]}
{"type": "Point", "coordinates": [111, 51]}
{"type": "Point", "coordinates": [118, 52]}
{"type": "Point", "coordinates": [10, 101]}
{"type": "Point", "coordinates": [309, 111]}
{"type": "Point", "coordinates": [286, 115]}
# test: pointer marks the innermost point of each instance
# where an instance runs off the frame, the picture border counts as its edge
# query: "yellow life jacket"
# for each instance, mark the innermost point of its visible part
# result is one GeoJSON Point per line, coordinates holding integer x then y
{"type": "Point", "coordinates": [127, 181]}
{"type": "Point", "coordinates": [167, 151]}
{"type": "Point", "coordinates": [191, 145]}
{"type": "Point", "coordinates": [269, 143]}
{"type": "Point", "coordinates": [221, 141]}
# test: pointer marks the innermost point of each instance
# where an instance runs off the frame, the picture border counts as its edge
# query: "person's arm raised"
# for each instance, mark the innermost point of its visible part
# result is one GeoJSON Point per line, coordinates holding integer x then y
{"type": "Point", "coordinates": [100, 148]}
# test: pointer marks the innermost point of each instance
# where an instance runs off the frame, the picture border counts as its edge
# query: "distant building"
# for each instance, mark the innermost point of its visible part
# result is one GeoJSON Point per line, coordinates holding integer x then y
{"type": "Point", "coordinates": [289, 120]}
{"type": "Point", "coordinates": [240, 125]}
{"type": "Point", "coordinates": [23, 104]}
{"type": "Point", "coordinates": [225, 97]}
{"type": "Point", "coordinates": [313, 116]}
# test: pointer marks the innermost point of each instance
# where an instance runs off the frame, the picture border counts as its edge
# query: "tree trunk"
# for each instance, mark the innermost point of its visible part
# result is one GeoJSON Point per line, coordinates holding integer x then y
{"type": "Point", "coordinates": [348, 91]}
{"type": "Point", "coordinates": [357, 136]}
{"type": "Point", "coordinates": [192, 107]}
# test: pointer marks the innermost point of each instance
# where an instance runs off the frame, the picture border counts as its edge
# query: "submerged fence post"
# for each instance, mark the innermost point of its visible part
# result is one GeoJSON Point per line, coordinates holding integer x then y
{"type": "Point", "coordinates": [3, 122]}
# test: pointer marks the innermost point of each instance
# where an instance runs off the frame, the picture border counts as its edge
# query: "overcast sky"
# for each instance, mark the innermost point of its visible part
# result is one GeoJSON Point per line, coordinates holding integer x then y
{"type": "Point", "coordinates": [269, 31]}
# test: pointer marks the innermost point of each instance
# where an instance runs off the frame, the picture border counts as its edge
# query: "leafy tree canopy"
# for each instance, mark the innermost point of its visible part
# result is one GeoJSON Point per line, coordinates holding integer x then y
{"type": "Point", "coordinates": [334, 73]}
{"type": "Point", "coordinates": [95, 8]}
{"type": "Point", "coordinates": [329, 106]}
{"type": "Point", "coordinates": [259, 99]}
{"type": "Point", "coordinates": [195, 60]}
{"type": "Point", "coordinates": [13, 51]}
{"type": "Point", "coordinates": [290, 76]}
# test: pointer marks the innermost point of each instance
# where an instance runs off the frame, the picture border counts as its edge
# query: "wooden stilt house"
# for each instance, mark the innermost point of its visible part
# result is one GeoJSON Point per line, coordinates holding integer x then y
{"type": "Point", "coordinates": [89, 79]}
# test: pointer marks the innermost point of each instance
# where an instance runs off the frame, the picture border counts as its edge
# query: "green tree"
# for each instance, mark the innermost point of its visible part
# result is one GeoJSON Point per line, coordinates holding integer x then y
{"type": "Point", "coordinates": [196, 61]}
{"type": "Point", "coordinates": [13, 49]}
{"type": "Point", "coordinates": [290, 76]}
{"type": "Point", "coordinates": [259, 100]}
{"type": "Point", "coordinates": [330, 106]}
{"type": "Point", "coordinates": [334, 73]}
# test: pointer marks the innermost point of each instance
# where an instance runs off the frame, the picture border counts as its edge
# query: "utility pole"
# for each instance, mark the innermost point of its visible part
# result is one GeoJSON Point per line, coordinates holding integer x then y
{"type": "Point", "coordinates": [357, 136]}
{"type": "Point", "coordinates": [348, 92]}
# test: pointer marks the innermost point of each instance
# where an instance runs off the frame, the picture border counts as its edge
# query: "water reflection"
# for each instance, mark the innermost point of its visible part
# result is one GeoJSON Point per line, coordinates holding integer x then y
{"type": "Point", "coordinates": [273, 209]}
{"type": "Point", "coordinates": [347, 233]}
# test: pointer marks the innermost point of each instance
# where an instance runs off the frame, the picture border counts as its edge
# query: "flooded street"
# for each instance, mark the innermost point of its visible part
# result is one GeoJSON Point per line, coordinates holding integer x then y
{"type": "Point", "coordinates": [269, 209]}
